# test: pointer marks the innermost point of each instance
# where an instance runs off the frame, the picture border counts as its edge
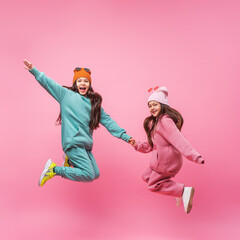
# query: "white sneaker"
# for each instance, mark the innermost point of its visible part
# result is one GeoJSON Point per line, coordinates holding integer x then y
{"type": "Point", "coordinates": [187, 197]}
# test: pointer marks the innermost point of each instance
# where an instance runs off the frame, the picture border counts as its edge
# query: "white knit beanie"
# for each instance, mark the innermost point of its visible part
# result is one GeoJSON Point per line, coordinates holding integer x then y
{"type": "Point", "coordinates": [160, 95]}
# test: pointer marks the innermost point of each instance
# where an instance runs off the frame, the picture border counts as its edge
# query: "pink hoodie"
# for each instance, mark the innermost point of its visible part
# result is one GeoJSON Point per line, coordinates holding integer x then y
{"type": "Point", "coordinates": [168, 147]}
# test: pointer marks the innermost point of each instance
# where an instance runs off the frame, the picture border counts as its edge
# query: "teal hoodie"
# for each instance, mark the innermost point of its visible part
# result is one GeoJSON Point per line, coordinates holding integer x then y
{"type": "Point", "coordinates": [75, 112]}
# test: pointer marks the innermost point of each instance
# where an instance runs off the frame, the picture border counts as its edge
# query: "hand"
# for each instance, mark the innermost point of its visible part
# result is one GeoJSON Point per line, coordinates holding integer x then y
{"type": "Point", "coordinates": [28, 65]}
{"type": "Point", "coordinates": [132, 142]}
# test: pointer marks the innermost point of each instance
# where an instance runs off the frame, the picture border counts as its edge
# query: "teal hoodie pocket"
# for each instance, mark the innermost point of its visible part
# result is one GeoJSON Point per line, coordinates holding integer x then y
{"type": "Point", "coordinates": [82, 138]}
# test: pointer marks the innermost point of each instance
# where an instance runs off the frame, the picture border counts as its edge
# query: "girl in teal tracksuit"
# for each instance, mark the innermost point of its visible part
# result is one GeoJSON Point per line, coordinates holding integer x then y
{"type": "Point", "coordinates": [81, 113]}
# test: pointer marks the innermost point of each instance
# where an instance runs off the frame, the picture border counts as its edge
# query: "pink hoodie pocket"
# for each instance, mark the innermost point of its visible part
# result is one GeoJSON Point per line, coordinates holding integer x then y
{"type": "Point", "coordinates": [154, 160]}
{"type": "Point", "coordinates": [174, 163]}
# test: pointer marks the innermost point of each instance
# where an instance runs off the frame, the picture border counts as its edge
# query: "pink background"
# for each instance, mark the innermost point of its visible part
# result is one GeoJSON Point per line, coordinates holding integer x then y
{"type": "Point", "coordinates": [192, 47]}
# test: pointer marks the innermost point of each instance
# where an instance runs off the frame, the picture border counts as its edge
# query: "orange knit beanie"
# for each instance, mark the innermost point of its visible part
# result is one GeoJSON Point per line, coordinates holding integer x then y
{"type": "Point", "coordinates": [82, 72]}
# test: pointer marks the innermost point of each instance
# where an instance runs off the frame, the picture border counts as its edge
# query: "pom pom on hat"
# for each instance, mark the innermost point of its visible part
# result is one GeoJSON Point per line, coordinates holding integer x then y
{"type": "Point", "coordinates": [160, 95]}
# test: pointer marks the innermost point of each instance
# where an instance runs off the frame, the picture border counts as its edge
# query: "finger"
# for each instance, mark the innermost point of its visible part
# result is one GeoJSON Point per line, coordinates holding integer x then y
{"type": "Point", "coordinates": [27, 62]}
{"type": "Point", "coordinates": [26, 67]}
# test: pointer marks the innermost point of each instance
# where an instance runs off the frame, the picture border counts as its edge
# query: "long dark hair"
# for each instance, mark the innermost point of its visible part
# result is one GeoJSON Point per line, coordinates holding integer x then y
{"type": "Point", "coordinates": [96, 101]}
{"type": "Point", "coordinates": [150, 123]}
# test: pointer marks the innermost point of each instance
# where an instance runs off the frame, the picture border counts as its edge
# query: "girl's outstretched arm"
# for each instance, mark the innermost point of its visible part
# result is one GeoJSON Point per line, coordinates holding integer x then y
{"type": "Point", "coordinates": [141, 147]}
{"type": "Point", "coordinates": [171, 133]}
{"type": "Point", "coordinates": [53, 88]}
{"type": "Point", "coordinates": [113, 127]}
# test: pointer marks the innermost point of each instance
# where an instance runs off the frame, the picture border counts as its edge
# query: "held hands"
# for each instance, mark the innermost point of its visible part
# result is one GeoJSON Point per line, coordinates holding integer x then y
{"type": "Point", "coordinates": [27, 64]}
{"type": "Point", "coordinates": [132, 142]}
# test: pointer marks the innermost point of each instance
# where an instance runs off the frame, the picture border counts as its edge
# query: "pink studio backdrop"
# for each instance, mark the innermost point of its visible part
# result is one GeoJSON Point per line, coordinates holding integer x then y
{"type": "Point", "coordinates": [192, 47]}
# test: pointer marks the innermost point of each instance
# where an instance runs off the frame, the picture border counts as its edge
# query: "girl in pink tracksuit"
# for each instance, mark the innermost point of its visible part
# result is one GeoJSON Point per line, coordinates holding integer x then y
{"type": "Point", "coordinates": [167, 145]}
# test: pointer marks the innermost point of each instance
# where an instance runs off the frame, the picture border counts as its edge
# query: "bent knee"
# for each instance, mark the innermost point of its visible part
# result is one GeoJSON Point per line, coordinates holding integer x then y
{"type": "Point", "coordinates": [97, 175]}
{"type": "Point", "coordinates": [91, 176]}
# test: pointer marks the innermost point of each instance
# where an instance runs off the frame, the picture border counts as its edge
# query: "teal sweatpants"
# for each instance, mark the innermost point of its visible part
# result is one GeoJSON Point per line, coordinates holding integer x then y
{"type": "Point", "coordinates": [84, 169]}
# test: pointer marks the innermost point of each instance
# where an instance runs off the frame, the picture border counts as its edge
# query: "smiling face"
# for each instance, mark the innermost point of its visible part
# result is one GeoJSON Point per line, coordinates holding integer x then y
{"type": "Point", "coordinates": [154, 108]}
{"type": "Point", "coordinates": [83, 85]}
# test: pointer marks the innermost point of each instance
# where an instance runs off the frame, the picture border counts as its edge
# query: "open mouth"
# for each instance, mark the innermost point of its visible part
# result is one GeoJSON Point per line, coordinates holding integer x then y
{"type": "Point", "coordinates": [82, 89]}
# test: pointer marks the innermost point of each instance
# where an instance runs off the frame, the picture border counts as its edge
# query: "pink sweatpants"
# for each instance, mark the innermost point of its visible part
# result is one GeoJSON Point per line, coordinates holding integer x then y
{"type": "Point", "coordinates": [162, 183]}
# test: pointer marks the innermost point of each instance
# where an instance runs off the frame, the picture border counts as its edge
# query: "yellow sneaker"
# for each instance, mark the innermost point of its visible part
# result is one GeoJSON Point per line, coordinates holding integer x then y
{"type": "Point", "coordinates": [66, 161]}
{"type": "Point", "coordinates": [47, 172]}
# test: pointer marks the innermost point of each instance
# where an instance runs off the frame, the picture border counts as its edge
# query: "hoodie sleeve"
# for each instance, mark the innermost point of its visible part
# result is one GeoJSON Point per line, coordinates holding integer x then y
{"type": "Point", "coordinates": [112, 127]}
{"type": "Point", "coordinates": [53, 88]}
{"type": "Point", "coordinates": [143, 147]}
{"type": "Point", "coordinates": [171, 133]}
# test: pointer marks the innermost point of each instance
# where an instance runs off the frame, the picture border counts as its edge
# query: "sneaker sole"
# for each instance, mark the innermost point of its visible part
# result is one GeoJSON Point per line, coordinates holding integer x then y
{"type": "Point", "coordinates": [47, 165]}
{"type": "Point", "coordinates": [190, 203]}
